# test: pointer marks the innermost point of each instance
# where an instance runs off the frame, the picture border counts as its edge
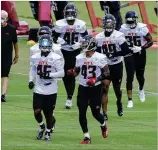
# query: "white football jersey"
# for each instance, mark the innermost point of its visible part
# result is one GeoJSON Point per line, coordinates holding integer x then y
{"type": "Point", "coordinates": [52, 63]}
{"type": "Point", "coordinates": [90, 66]}
{"type": "Point", "coordinates": [56, 48]}
{"type": "Point", "coordinates": [135, 36]}
{"type": "Point", "coordinates": [70, 33]}
{"type": "Point", "coordinates": [111, 44]}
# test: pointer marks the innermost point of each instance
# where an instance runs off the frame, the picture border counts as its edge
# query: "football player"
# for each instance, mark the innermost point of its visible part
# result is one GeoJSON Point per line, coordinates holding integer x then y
{"type": "Point", "coordinates": [91, 67]}
{"type": "Point", "coordinates": [68, 32]}
{"type": "Point", "coordinates": [46, 67]}
{"type": "Point", "coordinates": [113, 44]}
{"type": "Point", "coordinates": [138, 35]}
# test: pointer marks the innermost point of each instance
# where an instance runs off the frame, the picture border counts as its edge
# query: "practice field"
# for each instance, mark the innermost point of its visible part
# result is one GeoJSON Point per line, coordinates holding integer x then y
{"type": "Point", "coordinates": [137, 129]}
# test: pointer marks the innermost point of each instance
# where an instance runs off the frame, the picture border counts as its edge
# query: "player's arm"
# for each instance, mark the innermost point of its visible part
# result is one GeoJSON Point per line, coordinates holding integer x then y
{"type": "Point", "coordinates": [59, 65]}
{"type": "Point", "coordinates": [105, 73]}
{"type": "Point", "coordinates": [32, 74]}
{"type": "Point", "coordinates": [149, 41]}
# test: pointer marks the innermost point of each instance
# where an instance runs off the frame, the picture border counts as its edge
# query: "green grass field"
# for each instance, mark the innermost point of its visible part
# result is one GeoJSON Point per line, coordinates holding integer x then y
{"type": "Point", "coordinates": [137, 129]}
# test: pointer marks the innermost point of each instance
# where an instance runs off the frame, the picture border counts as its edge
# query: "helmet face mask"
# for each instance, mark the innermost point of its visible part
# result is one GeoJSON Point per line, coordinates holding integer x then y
{"type": "Point", "coordinates": [45, 43]}
{"type": "Point", "coordinates": [131, 19]}
{"type": "Point", "coordinates": [109, 23]}
{"type": "Point", "coordinates": [70, 12]}
{"type": "Point", "coordinates": [89, 44]}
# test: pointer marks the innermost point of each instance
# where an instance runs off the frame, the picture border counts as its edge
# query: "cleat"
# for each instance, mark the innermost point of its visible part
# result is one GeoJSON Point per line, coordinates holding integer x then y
{"type": "Point", "coordinates": [119, 109]}
{"type": "Point", "coordinates": [40, 133]}
{"type": "Point", "coordinates": [86, 140]}
{"type": "Point", "coordinates": [3, 99]}
{"type": "Point", "coordinates": [104, 131]}
{"type": "Point", "coordinates": [47, 136]}
{"type": "Point", "coordinates": [130, 104]}
{"type": "Point", "coordinates": [142, 95]}
{"type": "Point", "coordinates": [68, 104]}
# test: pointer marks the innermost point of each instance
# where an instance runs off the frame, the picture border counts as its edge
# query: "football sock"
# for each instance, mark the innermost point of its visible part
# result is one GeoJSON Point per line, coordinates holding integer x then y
{"type": "Point", "coordinates": [87, 135]}
{"type": "Point", "coordinates": [47, 130]}
{"type": "Point", "coordinates": [69, 97]}
{"type": "Point", "coordinates": [3, 95]}
{"type": "Point", "coordinates": [42, 125]}
{"type": "Point", "coordinates": [129, 98]}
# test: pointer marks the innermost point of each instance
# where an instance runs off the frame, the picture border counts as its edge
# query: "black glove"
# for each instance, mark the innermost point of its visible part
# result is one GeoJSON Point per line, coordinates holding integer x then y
{"type": "Point", "coordinates": [31, 85]}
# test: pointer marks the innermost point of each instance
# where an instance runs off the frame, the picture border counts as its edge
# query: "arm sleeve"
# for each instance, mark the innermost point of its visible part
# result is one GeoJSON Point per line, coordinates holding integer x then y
{"type": "Point", "coordinates": [14, 36]}
{"type": "Point", "coordinates": [77, 65]}
{"type": "Point", "coordinates": [59, 65]}
{"type": "Point", "coordinates": [145, 31]}
{"type": "Point", "coordinates": [32, 73]}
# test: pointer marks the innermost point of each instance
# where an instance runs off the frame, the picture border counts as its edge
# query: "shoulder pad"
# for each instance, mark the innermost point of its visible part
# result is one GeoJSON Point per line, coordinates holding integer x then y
{"type": "Point", "coordinates": [141, 25]}
{"type": "Point", "coordinates": [36, 46]}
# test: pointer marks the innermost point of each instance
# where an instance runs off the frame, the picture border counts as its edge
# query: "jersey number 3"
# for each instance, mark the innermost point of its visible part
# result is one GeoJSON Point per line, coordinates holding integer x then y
{"type": "Point", "coordinates": [88, 70]}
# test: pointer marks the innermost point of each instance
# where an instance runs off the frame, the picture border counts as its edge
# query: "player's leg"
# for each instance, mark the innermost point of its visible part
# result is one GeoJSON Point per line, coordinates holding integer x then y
{"type": "Point", "coordinates": [129, 66]}
{"type": "Point", "coordinates": [140, 63]}
{"type": "Point", "coordinates": [5, 69]}
{"type": "Point", "coordinates": [95, 104]}
{"type": "Point", "coordinates": [69, 81]}
{"type": "Point", "coordinates": [105, 89]}
{"type": "Point", "coordinates": [48, 108]}
{"type": "Point", "coordinates": [82, 104]}
{"type": "Point", "coordinates": [117, 75]}
{"type": "Point", "coordinates": [37, 107]}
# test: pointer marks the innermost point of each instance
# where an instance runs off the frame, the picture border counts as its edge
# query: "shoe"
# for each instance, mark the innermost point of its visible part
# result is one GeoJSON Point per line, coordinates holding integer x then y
{"type": "Point", "coordinates": [119, 109]}
{"type": "Point", "coordinates": [68, 104]}
{"type": "Point", "coordinates": [105, 116]}
{"type": "Point", "coordinates": [40, 132]}
{"type": "Point", "coordinates": [53, 126]}
{"type": "Point", "coordinates": [104, 131]}
{"type": "Point", "coordinates": [142, 95]}
{"type": "Point", "coordinates": [130, 104]}
{"type": "Point", "coordinates": [47, 136]}
{"type": "Point", "coordinates": [86, 140]}
{"type": "Point", "coordinates": [3, 99]}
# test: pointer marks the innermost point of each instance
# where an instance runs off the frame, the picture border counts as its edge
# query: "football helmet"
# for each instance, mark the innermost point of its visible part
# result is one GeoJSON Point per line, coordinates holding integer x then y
{"type": "Point", "coordinates": [131, 19]}
{"type": "Point", "coordinates": [44, 30]}
{"type": "Point", "coordinates": [45, 43]}
{"type": "Point", "coordinates": [70, 12]}
{"type": "Point", "coordinates": [88, 43]}
{"type": "Point", "coordinates": [109, 23]}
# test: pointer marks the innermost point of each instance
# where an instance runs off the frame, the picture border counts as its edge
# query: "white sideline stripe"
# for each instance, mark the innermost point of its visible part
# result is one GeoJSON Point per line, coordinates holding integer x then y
{"type": "Point", "coordinates": [147, 92]}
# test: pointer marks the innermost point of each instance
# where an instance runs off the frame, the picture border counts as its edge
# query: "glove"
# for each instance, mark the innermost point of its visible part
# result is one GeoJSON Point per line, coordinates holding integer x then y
{"type": "Point", "coordinates": [110, 55]}
{"type": "Point", "coordinates": [60, 41]}
{"type": "Point", "coordinates": [31, 85]}
{"type": "Point", "coordinates": [77, 45]}
{"type": "Point", "coordinates": [70, 72]}
{"type": "Point", "coordinates": [136, 49]}
{"type": "Point", "coordinates": [91, 81]}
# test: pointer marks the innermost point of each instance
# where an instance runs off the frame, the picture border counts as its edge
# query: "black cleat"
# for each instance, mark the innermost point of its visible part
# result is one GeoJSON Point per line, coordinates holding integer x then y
{"type": "Point", "coordinates": [47, 136]}
{"type": "Point", "coordinates": [119, 109]}
{"type": "Point", "coordinates": [3, 99]}
{"type": "Point", "coordinates": [40, 132]}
